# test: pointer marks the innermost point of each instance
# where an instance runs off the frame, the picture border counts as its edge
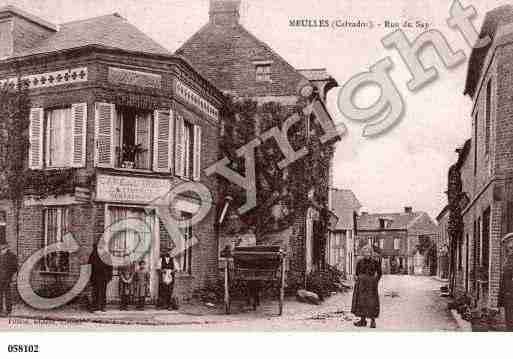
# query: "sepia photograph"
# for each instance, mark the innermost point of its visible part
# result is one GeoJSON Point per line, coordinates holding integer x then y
{"type": "Point", "coordinates": [242, 165]}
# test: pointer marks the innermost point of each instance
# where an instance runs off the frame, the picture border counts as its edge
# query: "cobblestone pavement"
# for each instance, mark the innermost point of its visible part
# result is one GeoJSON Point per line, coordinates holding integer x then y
{"type": "Point", "coordinates": [408, 303]}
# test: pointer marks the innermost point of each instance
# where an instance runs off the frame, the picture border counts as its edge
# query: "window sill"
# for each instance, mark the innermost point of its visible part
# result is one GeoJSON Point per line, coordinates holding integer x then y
{"type": "Point", "coordinates": [45, 272]}
{"type": "Point", "coordinates": [133, 170]}
{"type": "Point", "coordinates": [181, 275]}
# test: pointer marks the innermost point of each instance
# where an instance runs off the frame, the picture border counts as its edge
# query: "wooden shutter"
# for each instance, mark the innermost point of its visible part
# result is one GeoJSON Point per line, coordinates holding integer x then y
{"type": "Point", "coordinates": [196, 169]}
{"type": "Point", "coordinates": [142, 137]}
{"type": "Point", "coordinates": [36, 138]}
{"type": "Point", "coordinates": [180, 147]}
{"type": "Point", "coordinates": [104, 130]}
{"type": "Point", "coordinates": [163, 140]}
{"type": "Point", "coordinates": [78, 128]}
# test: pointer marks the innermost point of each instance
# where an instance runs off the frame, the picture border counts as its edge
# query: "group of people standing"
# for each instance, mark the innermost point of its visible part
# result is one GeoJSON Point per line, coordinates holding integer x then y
{"type": "Point", "coordinates": [134, 282]}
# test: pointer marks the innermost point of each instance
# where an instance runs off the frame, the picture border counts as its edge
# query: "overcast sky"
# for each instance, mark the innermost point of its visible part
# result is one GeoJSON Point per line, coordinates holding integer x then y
{"type": "Point", "coordinates": [405, 167]}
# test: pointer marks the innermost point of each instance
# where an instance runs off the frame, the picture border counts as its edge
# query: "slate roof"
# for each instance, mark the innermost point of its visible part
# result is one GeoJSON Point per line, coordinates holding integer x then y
{"type": "Point", "coordinates": [111, 31]}
{"type": "Point", "coordinates": [370, 221]}
{"type": "Point", "coordinates": [344, 204]}
{"type": "Point", "coordinates": [211, 50]}
{"type": "Point", "coordinates": [499, 15]}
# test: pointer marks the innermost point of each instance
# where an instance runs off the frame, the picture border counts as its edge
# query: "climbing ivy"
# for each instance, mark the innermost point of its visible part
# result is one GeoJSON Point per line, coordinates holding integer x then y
{"type": "Point", "coordinates": [282, 193]}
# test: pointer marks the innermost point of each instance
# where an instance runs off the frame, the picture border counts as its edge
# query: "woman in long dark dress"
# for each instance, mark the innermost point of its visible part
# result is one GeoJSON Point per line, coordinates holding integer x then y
{"type": "Point", "coordinates": [365, 295]}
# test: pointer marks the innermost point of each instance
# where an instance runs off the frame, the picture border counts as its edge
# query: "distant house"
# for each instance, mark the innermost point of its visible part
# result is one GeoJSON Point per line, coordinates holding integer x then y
{"type": "Point", "coordinates": [396, 236]}
{"type": "Point", "coordinates": [341, 241]}
{"type": "Point", "coordinates": [245, 67]}
{"type": "Point", "coordinates": [442, 244]}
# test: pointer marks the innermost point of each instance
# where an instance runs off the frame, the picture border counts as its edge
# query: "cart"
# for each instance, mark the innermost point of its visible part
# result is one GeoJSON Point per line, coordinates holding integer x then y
{"type": "Point", "coordinates": [256, 264]}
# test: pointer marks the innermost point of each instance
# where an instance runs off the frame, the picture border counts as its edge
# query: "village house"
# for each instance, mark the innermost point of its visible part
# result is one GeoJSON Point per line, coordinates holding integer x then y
{"type": "Point", "coordinates": [397, 237]}
{"type": "Point", "coordinates": [341, 246]}
{"type": "Point", "coordinates": [245, 67]}
{"type": "Point", "coordinates": [483, 186]}
{"type": "Point", "coordinates": [116, 121]}
{"type": "Point", "coordinates": [442, 244]}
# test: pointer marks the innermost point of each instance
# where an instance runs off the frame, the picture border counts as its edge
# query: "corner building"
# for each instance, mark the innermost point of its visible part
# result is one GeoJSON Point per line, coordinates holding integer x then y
{"type": "Point", "coordinates": [116, 121]}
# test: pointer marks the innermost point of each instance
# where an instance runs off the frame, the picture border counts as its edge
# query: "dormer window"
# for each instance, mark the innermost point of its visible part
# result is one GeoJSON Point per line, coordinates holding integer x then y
{"type": "Point", "coordinates": [263, 71]}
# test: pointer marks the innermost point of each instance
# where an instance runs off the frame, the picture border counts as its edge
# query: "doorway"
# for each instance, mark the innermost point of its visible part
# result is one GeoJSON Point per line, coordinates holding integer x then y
{"type": "Point", "coordinates": [126, 241]}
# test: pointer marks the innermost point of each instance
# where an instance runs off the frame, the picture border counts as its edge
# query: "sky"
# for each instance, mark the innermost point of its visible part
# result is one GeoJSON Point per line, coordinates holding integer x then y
{"type": "Point", "coordinates": [408, 165]}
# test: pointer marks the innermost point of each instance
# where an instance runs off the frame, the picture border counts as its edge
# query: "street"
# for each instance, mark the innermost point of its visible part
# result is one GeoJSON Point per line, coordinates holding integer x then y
{"type": "Point", "coordinates": [408, 303]}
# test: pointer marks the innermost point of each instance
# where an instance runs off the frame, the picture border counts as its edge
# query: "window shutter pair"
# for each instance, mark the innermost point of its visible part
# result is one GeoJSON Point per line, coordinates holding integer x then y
{"type": "Point", "coordinates": [78, 128]}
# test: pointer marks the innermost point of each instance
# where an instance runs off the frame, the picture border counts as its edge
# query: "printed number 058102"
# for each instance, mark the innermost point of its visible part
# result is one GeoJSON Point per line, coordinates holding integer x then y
{"type": "Point", "coordinates": [23, 348]}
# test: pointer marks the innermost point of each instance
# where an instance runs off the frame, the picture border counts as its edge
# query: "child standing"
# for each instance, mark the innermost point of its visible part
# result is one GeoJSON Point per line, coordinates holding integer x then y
{"type": "Point", "coordinates": [126, 279]}
{"type": "Point", "coordinates": [142, 284]}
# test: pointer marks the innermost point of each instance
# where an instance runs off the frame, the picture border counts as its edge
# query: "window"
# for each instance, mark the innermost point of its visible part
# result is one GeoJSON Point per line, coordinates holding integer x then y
{"type": "Point", "coordinates": [488, 115]}
{"type": "Point", "coordinates": [132, 130]}
{"type": "Point", "coordinates": [476, 121]}
{"type": "Point", "coordinates": [188, 149]}
{"type": "Point", "coordinates": [184, 257]}
{"type": "Point", "coordinates": [3, 225]}
{"type": "Point", "coordinates": [56, 225]}
{"type": "Point", "coordinates": [125, 240]}
{"type": "Point", "coordinates": [58, 138]}
{"type": "Point", "coordinates": [188, 158]}
{"type": "Point", "coordinates": [382, 223]}
{"type": "Point", "coordinates": [381, 243]}
{"type": "Point", "coordinates": [397, 243]}
{"type": "Point", "coordinates": [263, 72]}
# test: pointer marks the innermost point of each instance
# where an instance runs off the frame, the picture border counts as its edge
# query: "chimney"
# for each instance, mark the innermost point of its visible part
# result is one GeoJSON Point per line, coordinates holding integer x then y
{"type": "Point", "coordinates": [408, 210]}
{"type": "Point", "coordinates": [224, 12]}
{"type": "Point", "coordinates": [20, 31]}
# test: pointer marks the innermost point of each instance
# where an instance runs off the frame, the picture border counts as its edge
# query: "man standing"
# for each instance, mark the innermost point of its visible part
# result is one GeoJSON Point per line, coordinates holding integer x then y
{"type": "Point", "coordinates": [101, 275]}
{"type": "Point", "coordinates": [506, 285]}
{"type": "Point", "coordinates": [8, 266]}
{"type": "Point", "coordinates": [167, 279]}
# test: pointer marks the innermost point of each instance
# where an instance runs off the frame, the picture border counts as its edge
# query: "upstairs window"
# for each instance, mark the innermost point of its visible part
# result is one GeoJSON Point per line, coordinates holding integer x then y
{"type": "Point", "coordinates": [57, 137]}
{"type": "Point", "coordinates": [476, 121]}
{"type": "Point", "coordinates": [488, 115]}
{"type": "Point", "coordinates": [263, 72]}
{"type": "Point", "coordinates": [397, 243]}
{"type": "Point", "coordinates": [132, 141]}
{"type": "Point", "coordinates": [188, 149]}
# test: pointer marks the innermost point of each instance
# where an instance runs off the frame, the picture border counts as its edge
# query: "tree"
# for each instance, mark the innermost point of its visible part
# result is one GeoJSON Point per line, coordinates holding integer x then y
{"type": "Point", "coordinates": [14, 145]}
{"type": "Point", "coordinates": [282, 193]}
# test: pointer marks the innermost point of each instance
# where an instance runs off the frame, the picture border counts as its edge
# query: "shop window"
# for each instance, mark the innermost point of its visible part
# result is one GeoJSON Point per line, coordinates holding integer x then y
{"type": "Point", "coordinates": [3, 226]}
{"type": "Point", "coordinates": [132, 138]}
{"type": "Point", "coordinates": [263, 72]}
{"type": "Point", "coordinates": [184, 257]}
{"type": "Point", "coordinates": [58, 138]}
{"type": "Point", "coordinates": [56, 225]}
